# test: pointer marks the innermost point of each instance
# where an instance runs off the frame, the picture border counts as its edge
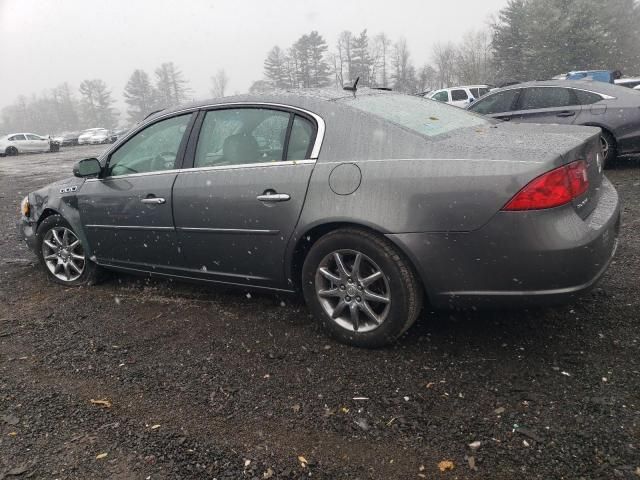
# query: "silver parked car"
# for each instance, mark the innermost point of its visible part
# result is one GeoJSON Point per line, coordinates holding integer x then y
{"type": "Point", "coordinates": [370, 204]}
{"type": "Point", "coordinates": [615, 109]}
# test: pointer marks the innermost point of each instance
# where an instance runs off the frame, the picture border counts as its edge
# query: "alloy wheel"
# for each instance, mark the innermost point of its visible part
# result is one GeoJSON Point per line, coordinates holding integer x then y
{"type": "Point", "coordinates": [63, 254]}
{"type": "Point", "coordinates": [353, 290]}
{"type": "Point", "coordinates": [604, 144]}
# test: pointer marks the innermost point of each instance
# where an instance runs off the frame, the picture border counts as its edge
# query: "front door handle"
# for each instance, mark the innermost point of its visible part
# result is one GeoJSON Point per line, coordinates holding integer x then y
{"type": "Point", "coordinates": [154, 200]}
{"type": "Point", "coordinates": [274, 197]}
{"type": "Point", "coordinates": [566, 114]}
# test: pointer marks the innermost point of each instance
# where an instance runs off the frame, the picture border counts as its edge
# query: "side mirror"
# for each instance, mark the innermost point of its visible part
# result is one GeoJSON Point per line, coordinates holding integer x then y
{"type": "Point", "coordinates": [88, 167]}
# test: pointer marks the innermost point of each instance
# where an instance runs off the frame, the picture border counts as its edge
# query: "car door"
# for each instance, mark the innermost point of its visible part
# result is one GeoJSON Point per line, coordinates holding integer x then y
{"type": "Point", "coordinates": [547, 105]}
{"type": "Point", "coordinates": [20, 142]}
{"type": "Point", "coordinates": [127, 212]}
{"type": "Point", "coordinates": [236, 209]}
{"type": "Point", "coordinates": [459, 98]}
{"type": "Point", "coordinates": [37, 143]}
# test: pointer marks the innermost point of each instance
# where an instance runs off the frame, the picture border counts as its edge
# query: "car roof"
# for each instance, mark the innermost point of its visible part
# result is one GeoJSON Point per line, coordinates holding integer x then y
{"type": "Point", "coordinates": [590, 85]}
{"type": "Point", "coordinates": [301, 98]}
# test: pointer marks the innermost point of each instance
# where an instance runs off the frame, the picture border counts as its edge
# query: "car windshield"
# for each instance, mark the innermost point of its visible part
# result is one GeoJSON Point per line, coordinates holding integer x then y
{"type": "Point", "coordinates": [424, 116]}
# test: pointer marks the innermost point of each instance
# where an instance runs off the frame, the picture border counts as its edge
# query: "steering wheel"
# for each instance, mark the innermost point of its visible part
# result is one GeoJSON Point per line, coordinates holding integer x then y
{"type": "Point", "coordinates": [163, 161]}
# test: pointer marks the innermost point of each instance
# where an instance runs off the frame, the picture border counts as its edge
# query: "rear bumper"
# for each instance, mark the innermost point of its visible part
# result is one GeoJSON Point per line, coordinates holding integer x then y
{"type": "Point", "coordinates": [518, 258]}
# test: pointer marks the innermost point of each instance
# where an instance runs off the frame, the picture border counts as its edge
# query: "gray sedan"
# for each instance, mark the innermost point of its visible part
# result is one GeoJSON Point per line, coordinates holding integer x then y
{"type": "Point", "coordinates": [615, 109]}
{"type": "Point", "coordinates": [370, 204]}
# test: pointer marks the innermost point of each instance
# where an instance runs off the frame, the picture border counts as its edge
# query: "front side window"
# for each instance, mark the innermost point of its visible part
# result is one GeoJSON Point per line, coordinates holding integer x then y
{"type": "Point", "coordinates": [458, 95]}
{"type": "Point", "coordinates": [153, 149]}
{"type": "Point", "coordinates": [441, 96]}
{"type": "Point", "coordinates": [474, 92]}
{"type": "Point", "coordinates": [31, 136]}
{"type": "Point", "coordinates": [497, 103]}
{"type": "Point", "coordinates": [482, 91]}
{"type": "Point", "coordinates": [546, 97]}
{"type": "Point", "coordinates": [241, 136]}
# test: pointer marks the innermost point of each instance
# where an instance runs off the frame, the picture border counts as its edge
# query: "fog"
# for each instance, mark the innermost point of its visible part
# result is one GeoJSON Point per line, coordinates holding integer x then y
{"type": "Point", "coordinates": [43, 44]}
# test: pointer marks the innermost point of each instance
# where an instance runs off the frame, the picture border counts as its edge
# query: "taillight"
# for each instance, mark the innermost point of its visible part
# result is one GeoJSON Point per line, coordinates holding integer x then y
{"type": "Point", "coordinates": [552, 189]}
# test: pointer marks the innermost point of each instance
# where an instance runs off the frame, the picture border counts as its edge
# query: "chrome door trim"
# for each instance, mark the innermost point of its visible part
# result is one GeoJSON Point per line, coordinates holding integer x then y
{"type": "Point", "coordinates": [199, 169]}
{"type": "Point", "coordinates": [228, 230]}
{"type": "Point", "coordinates": [129, 227]}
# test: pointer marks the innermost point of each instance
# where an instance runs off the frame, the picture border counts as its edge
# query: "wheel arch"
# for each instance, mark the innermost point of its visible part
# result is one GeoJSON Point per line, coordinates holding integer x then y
{"type": "Point", "coordinates": [302, 242]}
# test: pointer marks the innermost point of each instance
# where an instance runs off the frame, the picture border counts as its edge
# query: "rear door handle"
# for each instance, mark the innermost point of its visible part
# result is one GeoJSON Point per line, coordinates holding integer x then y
{"type": "Point", "coordinates": [566, 114]}
{"type": "Point", "coordinates": [154, 200]}
{"type": "Point", "coordinates": [274, 197]}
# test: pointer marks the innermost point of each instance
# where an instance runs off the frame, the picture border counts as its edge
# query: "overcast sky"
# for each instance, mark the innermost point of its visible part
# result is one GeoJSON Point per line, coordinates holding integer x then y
{"type": "Point", "coordinates": [44, 43]}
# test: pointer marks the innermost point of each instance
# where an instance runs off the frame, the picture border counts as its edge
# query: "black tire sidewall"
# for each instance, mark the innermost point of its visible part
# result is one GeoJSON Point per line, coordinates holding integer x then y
{"type": "Point", "coordinates": [88, 274]}
{"type": "Point", "coordinates": [611, 152]}
{"type": "Point", "coordinates": [396, 321]}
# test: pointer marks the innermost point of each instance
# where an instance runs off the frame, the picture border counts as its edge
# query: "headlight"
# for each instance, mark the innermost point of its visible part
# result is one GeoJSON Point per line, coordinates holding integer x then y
{"type": "Point", "coordinates": [25, 207]}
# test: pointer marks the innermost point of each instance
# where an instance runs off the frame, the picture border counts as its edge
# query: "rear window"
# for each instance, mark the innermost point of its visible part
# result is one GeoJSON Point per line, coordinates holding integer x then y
{"type": "Point", "coordinates": [427, 117]}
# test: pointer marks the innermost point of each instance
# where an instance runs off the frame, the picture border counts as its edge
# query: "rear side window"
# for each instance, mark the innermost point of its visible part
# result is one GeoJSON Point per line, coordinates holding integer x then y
{"type": "Point", "coordinates": [441, 96]}
{"type": "Point", "coordinates": [415, 113]}
{"type": "Point", "coordinates": [241, 136]}
{"type": "Point", "coordinates": [457, 95]}
{"type": "Point", "coordinates": [300, 139]}
{"type": "Point", "coordinates": [497, 103]}
{"type": "Point", "coordinates": [16, 138]}
{"type": "Point", "coordinates": [587, 98]}
{"type": "Point", "coordinates": [547, 97]}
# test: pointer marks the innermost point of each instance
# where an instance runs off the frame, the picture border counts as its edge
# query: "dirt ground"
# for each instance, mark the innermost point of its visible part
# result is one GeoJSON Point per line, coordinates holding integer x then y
{"type": "Point", "coordinates": [210, 383]}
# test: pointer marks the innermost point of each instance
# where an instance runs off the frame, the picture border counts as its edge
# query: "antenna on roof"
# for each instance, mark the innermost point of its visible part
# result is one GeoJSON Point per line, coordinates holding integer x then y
{"type": "Point", "coordinates": [352, 88]}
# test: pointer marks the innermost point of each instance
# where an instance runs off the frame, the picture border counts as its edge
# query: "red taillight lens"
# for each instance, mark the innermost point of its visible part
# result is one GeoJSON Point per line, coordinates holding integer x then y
{"type": "Point", "coordinates": [552, 189]}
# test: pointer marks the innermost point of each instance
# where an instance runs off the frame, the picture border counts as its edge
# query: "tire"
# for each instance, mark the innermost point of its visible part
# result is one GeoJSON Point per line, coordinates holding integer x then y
{"type": "Point", "coordinates": [54, 147]}
{"type": "Point", "coordinates": [609, 149]}
{"type": "Point", "coordinates": [381, 286]}
{"type": "Point", "coordinates": [11, 151]}
{"type": "Point", "coordinates": [54, 238]}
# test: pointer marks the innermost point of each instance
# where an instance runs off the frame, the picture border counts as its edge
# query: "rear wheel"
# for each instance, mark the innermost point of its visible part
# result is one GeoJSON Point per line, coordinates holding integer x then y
{"type": "Point", "coordinates": [609, 150]}
{"type": "Point", "coordinates": [62, 254]}
{"type": "Point", "coordinates": [360, 288]}
{"type": "Point", "coordinates": [11, 151]}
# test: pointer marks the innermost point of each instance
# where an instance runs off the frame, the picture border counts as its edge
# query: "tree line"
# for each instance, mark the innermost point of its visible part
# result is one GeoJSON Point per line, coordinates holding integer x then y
{"type": "Point", "coordinates": [527, 40]}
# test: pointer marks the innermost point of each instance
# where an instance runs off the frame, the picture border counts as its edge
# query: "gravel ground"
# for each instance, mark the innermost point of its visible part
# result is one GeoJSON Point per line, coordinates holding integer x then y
{"type": "Point", "coordinates": [212, 383]}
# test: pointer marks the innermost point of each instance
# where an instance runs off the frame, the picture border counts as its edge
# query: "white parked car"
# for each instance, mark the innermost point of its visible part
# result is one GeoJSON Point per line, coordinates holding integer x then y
{"type": "Point", "coordinates": [16, 143]}
{"type": "Point", "coordinates": [459, 96]}
{"type": "Point", "coordinates": [86, 135]}
{"type": "Point", "coordinates": [99, 136]}
{"type": "Point", "coordinates": [630, 82]}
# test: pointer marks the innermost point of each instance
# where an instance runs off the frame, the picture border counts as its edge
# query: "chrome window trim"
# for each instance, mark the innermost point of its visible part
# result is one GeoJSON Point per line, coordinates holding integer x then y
{"type": "Point", "coordinates": [515, 87]}
{"type": "Point", "coordinates": [284, 163]}
{"type": "Point", "coordinates": [315, 151]}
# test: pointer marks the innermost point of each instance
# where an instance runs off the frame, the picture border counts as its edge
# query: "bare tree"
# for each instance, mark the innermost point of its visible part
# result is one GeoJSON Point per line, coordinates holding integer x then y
{"type": "Point", "coordinates": [474, 58]}
{"type": "Point", "coordinates": [219, 83]}
{"type": "Point", "coordinates": [382, 47]}
{"type": "Point", "coordinates": [404, 74]}
{"type": "Point", "coordinates": [444, 56]}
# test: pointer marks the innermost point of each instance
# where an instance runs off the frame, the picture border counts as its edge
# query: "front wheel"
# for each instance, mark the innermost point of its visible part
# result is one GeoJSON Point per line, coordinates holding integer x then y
{"type": "Point", "coordinates": [360, 288]}
{"type": "Point", "coordinates": [62, 254]}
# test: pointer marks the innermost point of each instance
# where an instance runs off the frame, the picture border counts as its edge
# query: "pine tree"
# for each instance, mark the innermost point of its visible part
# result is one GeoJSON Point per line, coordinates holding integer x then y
{"type": "Point", "coordinates": [171, 86]}
{"type": "Point", "coordinates": [139, 95]}
{"type": "Point", "coordinates": [361, 62]}
{"type": "Point", "coordinates": [97, 104]}
{"type": "Point", "coordinates": [275, 68]}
